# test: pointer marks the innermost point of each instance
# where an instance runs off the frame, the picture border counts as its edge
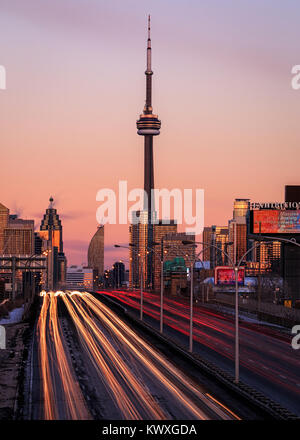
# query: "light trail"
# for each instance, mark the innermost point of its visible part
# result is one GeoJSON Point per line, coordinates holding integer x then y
{"type": "Point", "coordinates": [53, 357]}
{"type": "Point", "coordinates": [106, 339]}
{"type": "Point", "coordinates": [50, 409]}
{"type": "Point", "coordinates": [120, 395]}
{"type": "Point", "coordinates": [216, 332]}
{"type": "Point", "coordinates": [75, 406]}
{"type": "Point", "coordinates": [146, 356]}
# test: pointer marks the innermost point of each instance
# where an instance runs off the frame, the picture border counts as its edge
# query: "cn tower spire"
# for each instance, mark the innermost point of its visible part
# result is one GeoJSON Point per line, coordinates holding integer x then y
{"type": "Point", "coordinates": [149, 46]}
{"type": "Point", "coordinates": [148, 73]}
{"type": "Point", "coordinates": [148, 124]}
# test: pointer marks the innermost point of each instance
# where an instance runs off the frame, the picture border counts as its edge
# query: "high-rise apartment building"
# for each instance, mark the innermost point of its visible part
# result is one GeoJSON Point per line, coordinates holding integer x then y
{"type": "Point", "coordinates": [161, 230]}
{"type": "Point", "coordinates": [206, 238]}
{"type": "Point", "coordinates": [96, 253]}
{"type": "Point", "coordinates": [139, 250]}
{"type": "Point", "coordinates": [19, 237]}
{"type": "Point", "coordinates": [4, 216]}
{"type": "Point", "coordinates": [173, 247]}
{"type": "Point", "coordinates": [217, 236]}
{"type": "Point", "coordinates": [237, 235]}
{"type": "Point", "coordinates": [268, 254]}
{"type": "Point", "coordinates": [238, 229]}
{"type": "Point", "coordinates": [241, 208]}
{"type": "Point", "coordinates": [16, 235]}
{"type": "Point", "coordinates": [118, 274]}
{"type": "Point", "coordinates": [138, 237]}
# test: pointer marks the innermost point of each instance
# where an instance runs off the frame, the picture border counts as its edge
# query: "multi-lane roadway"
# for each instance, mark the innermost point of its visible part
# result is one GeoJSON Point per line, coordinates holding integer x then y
{"type": "Point", "coordinates": [268, 361]}
{"type": "Point", "coordinates": [88, 363]}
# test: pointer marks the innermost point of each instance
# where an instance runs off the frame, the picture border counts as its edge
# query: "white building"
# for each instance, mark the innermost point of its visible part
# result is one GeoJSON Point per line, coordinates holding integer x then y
{"type": "Point", "coordinates": [79, 278]}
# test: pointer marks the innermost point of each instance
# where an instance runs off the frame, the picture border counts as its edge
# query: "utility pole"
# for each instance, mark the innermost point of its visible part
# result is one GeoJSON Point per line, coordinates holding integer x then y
{"type": "Point", "coordinates": [237, 348]}
{"type": "Point", "coordinates": [141, 310]}
{"type": "Point", "coordinates": [161, 326]}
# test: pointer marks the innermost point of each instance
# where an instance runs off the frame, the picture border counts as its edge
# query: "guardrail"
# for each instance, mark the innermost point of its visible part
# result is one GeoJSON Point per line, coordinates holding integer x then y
{"type": "Point", "coordinates": [281, 315]}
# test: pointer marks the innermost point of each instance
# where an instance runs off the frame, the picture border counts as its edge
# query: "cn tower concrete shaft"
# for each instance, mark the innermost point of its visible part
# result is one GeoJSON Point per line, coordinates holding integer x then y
{"type": "Point", "coordinates": [148, 126]}
{"type": "Point", "coordinates": [148, 173]}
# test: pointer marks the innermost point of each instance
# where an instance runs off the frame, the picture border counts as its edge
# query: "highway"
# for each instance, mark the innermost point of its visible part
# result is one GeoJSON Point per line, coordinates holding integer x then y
{"type": "Point", "coordinates": [110, 372]}
{"type": "Point", "coordinates": [268, 362]}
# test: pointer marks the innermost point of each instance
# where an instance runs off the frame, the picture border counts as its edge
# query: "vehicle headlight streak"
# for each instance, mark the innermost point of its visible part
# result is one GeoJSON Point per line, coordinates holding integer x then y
{"type": "Point", "coordinates": [128, 392]}
{"type": "Point", "coordinates": [75, 406]}
{"type": "Point", "coordinates": [50, 411]}
{"type": "Point", "coordinates": [120, 395]}
{"type": "Point", "coordinates": [51, 351]}
{"type": "Point", "coordinates": [112, 321]}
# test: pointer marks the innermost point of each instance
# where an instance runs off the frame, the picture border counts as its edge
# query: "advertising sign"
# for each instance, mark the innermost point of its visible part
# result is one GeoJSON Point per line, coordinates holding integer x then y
{"type": "Point", "coordinates": [276, 221]}
{"type": "Point", "coordinates": [225, 276]}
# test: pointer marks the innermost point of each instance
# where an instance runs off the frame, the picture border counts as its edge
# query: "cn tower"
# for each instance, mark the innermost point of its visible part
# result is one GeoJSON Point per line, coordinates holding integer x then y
{"type": "Point", "coordinates": [148, 126]}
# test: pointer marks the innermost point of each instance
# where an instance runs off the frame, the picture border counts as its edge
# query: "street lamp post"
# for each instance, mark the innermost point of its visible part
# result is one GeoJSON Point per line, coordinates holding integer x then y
{"type": "Point", "coordinates": [235, 268]}
{"type": "Point", "coordinates": [191, 307]}
{"type": "Point", "coordinates": [161, 324]}
{"type": "Point", "coordinates": [141, 282]}
{"type": "Point", "coordinates": [192, 300]}
{"type": "Point", "coordinates": [237, 344]}
{"type": "Point", "coordinates": [141, 278]}
{"type": "Point", "coordinates": [142, 296]}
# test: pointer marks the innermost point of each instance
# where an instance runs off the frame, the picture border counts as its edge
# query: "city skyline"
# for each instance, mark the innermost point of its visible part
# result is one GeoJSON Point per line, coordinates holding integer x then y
{"type": "Point", "coordinates": [229, 108]}
{"type": "Point", "coordinates": [149, 279]}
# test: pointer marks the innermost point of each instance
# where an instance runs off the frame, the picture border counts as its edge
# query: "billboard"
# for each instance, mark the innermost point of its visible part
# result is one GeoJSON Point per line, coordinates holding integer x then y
{"type": "Point", "coordinates": [225, 276]}
{"type": "Point", "coordinates": [276, 221]}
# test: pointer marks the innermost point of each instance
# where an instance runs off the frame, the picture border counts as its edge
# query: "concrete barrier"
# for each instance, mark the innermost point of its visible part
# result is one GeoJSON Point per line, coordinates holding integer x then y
{"type": "Point", "coordinates": [2, 338]}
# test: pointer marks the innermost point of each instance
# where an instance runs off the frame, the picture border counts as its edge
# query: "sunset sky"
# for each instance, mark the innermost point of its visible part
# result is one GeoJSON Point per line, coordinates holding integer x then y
{"type": "Point", "coordinates": [76, 85]}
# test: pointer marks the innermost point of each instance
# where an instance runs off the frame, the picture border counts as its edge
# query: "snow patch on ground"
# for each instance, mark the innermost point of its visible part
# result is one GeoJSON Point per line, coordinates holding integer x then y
{"type": "Point", "coordinates": [15, 316]}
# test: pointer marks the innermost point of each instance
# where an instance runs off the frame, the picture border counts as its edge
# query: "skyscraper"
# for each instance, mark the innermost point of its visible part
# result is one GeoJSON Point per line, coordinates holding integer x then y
{"type": "Point", "coordinates": [148, 126]}
{"type": "Point", "coordinates": [160, 231]}
{"type": "Point", "coordinates": [51, 230]}
{"type": "Point", "coordinates": [238, 230]}
{"type": "Point", "coordinates": [138, 233]}
{"type": "Point", "coordinates": [174, 249]}
{"type": "Point", "coordinates": [16, 235]}
{"type": "Point", "coordinates": [237, 235]}
{"type": "Point", "coordinates": [241, 208]}
{"type": "Point", "coordinates": [4, 216]}
{"type": "Point", "coordinates": [268, 254]}
{"type": "Point", "coordinates": [96, 254]}
{"type": "Point", "coordinates": [218, 237]}
{"type": "Point", "coordinates": [118, 273]}
{"type": "Point", "coordinates": [51, 225]}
